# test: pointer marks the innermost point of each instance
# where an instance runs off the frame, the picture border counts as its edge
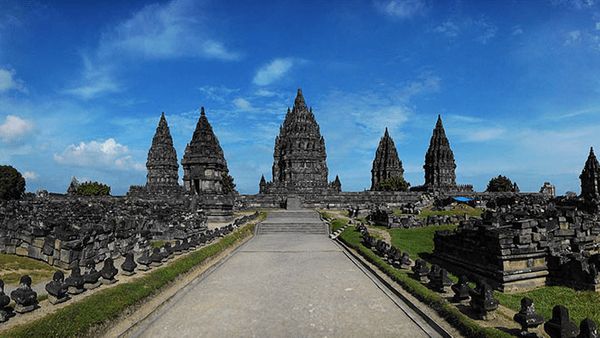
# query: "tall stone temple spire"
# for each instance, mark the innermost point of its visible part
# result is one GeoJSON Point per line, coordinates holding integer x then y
{"type": "Point", "coordinates": [386, 164]}
{"type": "Point", "coordinates": [204, 165]}
{"type": "Point", "coordinates": [162, 160]}
{"type": "Point", "coordinates": [590, 178]}
{"type": "Point", "coordinates": [299, 157]}
{"type": "Point", "coordinates": [439, 161]}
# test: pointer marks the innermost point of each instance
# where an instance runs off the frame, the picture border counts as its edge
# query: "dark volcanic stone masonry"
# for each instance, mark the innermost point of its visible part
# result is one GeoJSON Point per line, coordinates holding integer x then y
{"type": "Point", "coordinates": [162, 161]}
{"type": "Point", "coordinates": [204, 164]}
{"type": "Point", "coordinates": [386, 164]}
{"type": "Point", "coordinates": [439, 160]}
{"type": "Point", "coordinates": [299, 158]}
{"type": "Point", "coordinates": [590, 178]}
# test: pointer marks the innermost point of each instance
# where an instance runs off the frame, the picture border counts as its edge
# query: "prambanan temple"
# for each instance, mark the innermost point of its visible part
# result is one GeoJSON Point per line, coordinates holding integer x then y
{"type": "Point", "coordinates": [522, 240]}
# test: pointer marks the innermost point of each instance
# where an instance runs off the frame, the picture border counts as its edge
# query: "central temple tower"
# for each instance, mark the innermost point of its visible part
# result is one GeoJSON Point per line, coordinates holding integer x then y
{"type": "Point", "coordinates": [299, 158]}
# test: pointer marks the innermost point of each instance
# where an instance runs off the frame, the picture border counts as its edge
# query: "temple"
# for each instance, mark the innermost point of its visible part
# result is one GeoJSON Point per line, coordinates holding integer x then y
{"type": "Point", "coordinates": [386, 164]}
{"type": "Point", "coordinates": [162, 161]}
{"type": "Point", "coordinates": [204, 165]}
{"type": "Point", "coordinates": [590, 178]}
{"type": "Point", "coordinates": [299, 158]}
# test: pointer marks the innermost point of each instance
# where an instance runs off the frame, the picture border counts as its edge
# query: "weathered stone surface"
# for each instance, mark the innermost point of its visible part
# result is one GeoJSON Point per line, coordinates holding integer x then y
{"type": "Point", "coordinates": [299, 157]}
{"type": "Point", "coordinates": [386, 164]}
{"type": "Point", "coordinates": [25, 298]}
{"type": "Point", "coordinates": [162, 161]}
{"type": "Point", "coordinates": [204, 164]}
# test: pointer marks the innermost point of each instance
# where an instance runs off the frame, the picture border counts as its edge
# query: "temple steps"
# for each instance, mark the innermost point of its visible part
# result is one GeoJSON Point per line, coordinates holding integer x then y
{"type": "Point", "coordinates": [293, 221]}
{"type": "Point", "coordinates": [305, 228]}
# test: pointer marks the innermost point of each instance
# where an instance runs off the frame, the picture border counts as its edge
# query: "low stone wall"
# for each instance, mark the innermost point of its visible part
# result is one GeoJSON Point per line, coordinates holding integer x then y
{"type": "Point", "coordinates": [364, 199]}
{"type": "Point", "coordinates": [524, 244]}
{"type": "Point", "coordinates": [67, 231]}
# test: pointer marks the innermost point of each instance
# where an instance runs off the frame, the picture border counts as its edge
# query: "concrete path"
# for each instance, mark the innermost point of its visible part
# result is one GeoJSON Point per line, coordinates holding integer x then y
{"type": "Point", "coordinates": [284, 285]}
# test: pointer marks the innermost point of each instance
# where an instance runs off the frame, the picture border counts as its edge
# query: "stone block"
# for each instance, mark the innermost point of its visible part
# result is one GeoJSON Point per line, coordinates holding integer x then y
{"type": "Point", "coordinates": [34, 252]}
{"type": "Point", "coordinates": [21, 251]}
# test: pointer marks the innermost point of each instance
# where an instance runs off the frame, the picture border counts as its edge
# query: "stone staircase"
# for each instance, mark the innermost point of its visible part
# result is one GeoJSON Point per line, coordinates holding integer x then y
{"type": "Point", "coordinates": [293, 221]}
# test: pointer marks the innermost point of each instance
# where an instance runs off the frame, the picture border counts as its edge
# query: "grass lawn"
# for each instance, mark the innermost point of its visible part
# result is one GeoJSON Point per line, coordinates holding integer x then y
{"type": "Point", "coordinates": [581, 304]}
{"type": "Point", "coordinates": [458, 210]}
{"type": "Point", "coordinates": [418, 242]}
{"type": "Point", "coordinates": [12, 267]}
{"type": "Point", "coordinates": [337, 224]}
{"type": "Point", "coordinates": [466, 325]}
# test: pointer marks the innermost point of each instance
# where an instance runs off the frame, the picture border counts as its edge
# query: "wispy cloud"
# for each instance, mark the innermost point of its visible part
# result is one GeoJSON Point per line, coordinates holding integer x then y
{"type": "Point", "coordinates": [574, 4]}
{"type": "Point", "coordinates": [14, 128]}
{"type": "Point", "coordinates": [242, 104]}
{"type": "Point", "coordinates": [163, 31]}
{"type": "Point", "coordinates": [273, 71]}
{"type": "Point", "coordinates": [8, 81]}
{"type": "Point", "coordinates": [402, 9]}
{"type": "Point", "coordinates": [107, 154]}
{"type": "Point", "coordinates": [172, 30]}
{"type": "Point", "coordinates": [30, 175]}
{"type": "Point", "coordinates": [217, 93]}
{"type": "Point", "coordinates": [97, 80]}
{"type": "Point", "coordinates": [481, 30]}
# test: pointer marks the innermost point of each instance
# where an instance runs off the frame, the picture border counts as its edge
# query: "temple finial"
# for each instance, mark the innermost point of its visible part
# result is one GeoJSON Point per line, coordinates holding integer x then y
{"type": "Point", "coordinates": [202, 111]}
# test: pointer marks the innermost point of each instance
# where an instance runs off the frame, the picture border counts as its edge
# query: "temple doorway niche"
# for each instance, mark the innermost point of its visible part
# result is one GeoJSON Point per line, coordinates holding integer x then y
{"type": "Point", "coordinates": [197, 186]}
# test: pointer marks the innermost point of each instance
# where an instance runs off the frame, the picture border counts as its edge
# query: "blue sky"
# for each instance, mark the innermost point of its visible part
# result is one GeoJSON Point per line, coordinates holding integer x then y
{"type": "Point", "coordinates": [82, 84]}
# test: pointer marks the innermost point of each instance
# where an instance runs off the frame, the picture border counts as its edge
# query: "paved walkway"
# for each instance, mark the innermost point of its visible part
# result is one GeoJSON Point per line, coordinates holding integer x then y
{"type": "Point", "coordinates": [283, 285]}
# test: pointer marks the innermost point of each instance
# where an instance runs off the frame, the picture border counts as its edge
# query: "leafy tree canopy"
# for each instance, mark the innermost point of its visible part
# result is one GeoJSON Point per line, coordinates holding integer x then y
{"type": "Point", "coordinates": [12, 183]}
{"type": "Point", "coordinates": [501, 184]}
{"type": "Point", "coordinates": [393, 184]}
{"type": "Point", "coordinates": [92, 189]}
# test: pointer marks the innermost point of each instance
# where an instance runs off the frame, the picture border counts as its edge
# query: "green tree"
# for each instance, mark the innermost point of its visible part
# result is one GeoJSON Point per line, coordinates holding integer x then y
{"type": "Point", "coordinates": [12, 183]}
{"type": "Point", "coordinates": [228, 184]}
{"type": "Point", "coordinates": [93, 189]}
{"type": "Point", "coordinates": [500, 184]}
{"type": "Point", "coordinates": [393, 184]}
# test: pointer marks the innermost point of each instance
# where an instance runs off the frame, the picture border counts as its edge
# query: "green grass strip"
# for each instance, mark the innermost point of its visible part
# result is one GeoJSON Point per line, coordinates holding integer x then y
{"type": "Point", "coordinates": [463, 323]}
{"type": "Point", "coordinates": [79, 318]}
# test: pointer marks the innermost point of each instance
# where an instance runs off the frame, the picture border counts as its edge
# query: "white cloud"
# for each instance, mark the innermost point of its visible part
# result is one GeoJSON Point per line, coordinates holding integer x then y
{"type": "Point", "coordinates": [402, 9]}
{"type": "Point", "coordinates": [217, 93]}
{"type": "Point", "coordinates": [517, 30]}
{"type": "Point", "coordinates": [572, 37]}
{"type": "Point", "coordinates": [242, 104]}
{"type": "Point", "coordinates": [483, 135]}
{"type": "Point", "coordinates": [265, 93]}
{"type": "Point", "coordinates": [575, 4]}
{"type": "Point", "coordinates": [273, 71]}
{"type": "Point", "coordinates": [96, 80]}
{"type": "Point", "coordinates": [481, 30]}
{"type": "Point", "coordinates": [426, 83]}
{"type": "Point", "coordinates": [14, 128]}
{"type": "Point", "coordinates": [30, 175]}
{"type": "Point", "coordinates": [108, 154]}
{"type": "Point", "coordinates": [9, 82]}
{"type": "Point", "coordinates": [448, 28]}
{"type": "Point", "coordinates": [163, 31]}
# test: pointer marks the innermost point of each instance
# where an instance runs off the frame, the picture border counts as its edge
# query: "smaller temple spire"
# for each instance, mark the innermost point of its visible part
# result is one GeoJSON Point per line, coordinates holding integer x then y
{"type": "Point", "coordinates": [202, 113]}
{"type": "Point", "coordinates": [162, 160]}
{"type": "Point", "coordinates": [590, 177]}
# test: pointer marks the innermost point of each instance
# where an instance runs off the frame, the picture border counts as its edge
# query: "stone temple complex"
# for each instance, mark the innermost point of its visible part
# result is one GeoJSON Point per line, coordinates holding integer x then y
{"type": "Point", "coordinates": [299, 158]}
{"type": "Point", "coordinates": [386, 164]}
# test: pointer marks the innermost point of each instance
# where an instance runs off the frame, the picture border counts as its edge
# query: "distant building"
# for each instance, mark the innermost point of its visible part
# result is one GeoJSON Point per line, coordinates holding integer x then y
{"type": "Point", "coordinates": [299, 157]}
{"type": "Point", "coordinates": [386, 164]}
{"type": "Point", "coordinates": [204, 165]}
{"type": "Point", "coordinates": [162, 162]}
{"type": "Point", "coordinates": [590, 178]}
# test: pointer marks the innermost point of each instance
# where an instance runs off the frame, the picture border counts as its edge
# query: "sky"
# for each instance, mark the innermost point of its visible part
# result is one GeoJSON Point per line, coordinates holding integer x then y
{"type": "Point", "coordinates": [83, 84]}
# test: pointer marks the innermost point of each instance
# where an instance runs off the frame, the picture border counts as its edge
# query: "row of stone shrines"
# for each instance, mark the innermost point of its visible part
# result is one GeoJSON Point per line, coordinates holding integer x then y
{"type": "Point", "coordinates": [204, 166]}
{"type": "Point", "coordinates": [300, 166]}
{"type": "Point", "coordinates": [299, 160]}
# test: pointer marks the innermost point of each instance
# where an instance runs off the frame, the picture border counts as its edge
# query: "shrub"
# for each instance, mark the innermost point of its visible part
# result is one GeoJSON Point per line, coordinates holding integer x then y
{"type": "Point", "coordinates": [393, 184]}
{"type": "Point", "coordinates": [93, 189]}
{"type": "Point", "coordinates": [12, 183]}
{"type": "Point", "coordinates": [228, 184]}
{"type": "Point", "coordinates": [501, 184]}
